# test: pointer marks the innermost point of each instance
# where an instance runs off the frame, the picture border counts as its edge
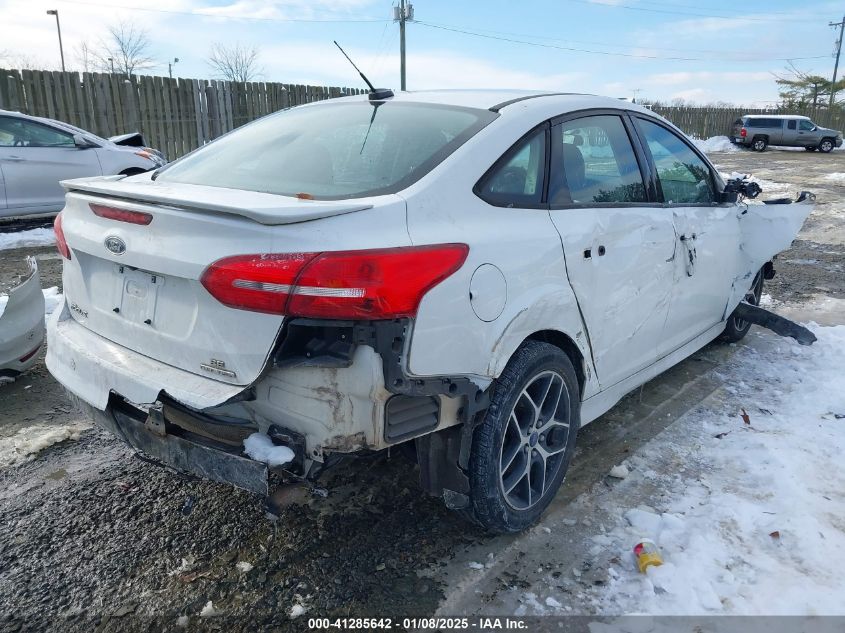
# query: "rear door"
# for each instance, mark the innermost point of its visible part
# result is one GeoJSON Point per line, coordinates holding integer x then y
{"type": "Point", "coordinates": [704, 260]}
{"type": "Point", "coordinates": [618, 243]}
{"type": "Point", "coordinates": [790, 133]}
{"type": "Point", "coordinates": [35, 158]}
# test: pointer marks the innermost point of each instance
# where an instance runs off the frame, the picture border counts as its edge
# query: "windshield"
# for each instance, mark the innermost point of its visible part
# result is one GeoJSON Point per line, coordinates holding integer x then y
{"type": "Point", "coordinates": [334, 150]}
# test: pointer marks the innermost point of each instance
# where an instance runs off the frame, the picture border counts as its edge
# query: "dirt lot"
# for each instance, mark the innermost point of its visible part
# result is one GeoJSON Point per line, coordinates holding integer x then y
{"type": "Point", "coordinates": [96, 538]}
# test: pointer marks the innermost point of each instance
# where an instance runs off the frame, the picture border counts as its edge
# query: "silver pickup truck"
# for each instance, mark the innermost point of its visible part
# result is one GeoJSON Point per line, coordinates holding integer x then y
{"type": "Point", "coordinates": [758, 131]}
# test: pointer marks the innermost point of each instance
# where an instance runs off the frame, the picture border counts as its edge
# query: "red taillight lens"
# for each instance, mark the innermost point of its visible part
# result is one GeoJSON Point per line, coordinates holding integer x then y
{"type": "Point", "coordinates": [29, 355]}
{"type": "Point", "coordinates": [373, 284]}
{"type": "Point", "coordinates": [121, 215]}
{"type": "Point", "coordinates": [61, 242]}
{"type": "Point", "coordinates": [743, 132]}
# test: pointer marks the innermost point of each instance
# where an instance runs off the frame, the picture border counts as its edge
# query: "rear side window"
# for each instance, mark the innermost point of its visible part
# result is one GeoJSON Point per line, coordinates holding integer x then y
{"type": "Point", "coordinates": [683, 176]}
{"type": "Point", "coordinates": [790, 124]}
{"type": "Point", "coordinates": [333, 151]}
{"type": "Point", "coordinates": [593, 162]}
{"type": "Point", "coordinates": [517, 179]}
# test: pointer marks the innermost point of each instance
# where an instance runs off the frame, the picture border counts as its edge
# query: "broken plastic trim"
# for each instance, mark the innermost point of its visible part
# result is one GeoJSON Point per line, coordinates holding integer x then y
{"type": "Point", "coordinates": [775, 323]}
{"type": "Point", "coordinates": [325, 343]}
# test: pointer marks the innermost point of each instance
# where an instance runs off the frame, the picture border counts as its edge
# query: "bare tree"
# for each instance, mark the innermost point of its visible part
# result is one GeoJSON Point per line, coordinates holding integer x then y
{"type": "Point", "coordinates": [85, 57]}
{"type": "Point", "coordinates": [235, 63]}
{"type": "Point", "coordinates": [23, 61]}
{"type": "Point", "coordinates": [127, 50]}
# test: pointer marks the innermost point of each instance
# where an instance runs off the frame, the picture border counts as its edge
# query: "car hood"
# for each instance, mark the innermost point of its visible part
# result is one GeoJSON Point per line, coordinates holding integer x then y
{"type": "Point", "coordinates": [264, 208]}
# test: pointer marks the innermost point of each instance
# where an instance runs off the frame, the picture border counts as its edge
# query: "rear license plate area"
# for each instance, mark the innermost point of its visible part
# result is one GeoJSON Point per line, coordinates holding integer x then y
{"type": "Point", "coordinates": [137, 295]}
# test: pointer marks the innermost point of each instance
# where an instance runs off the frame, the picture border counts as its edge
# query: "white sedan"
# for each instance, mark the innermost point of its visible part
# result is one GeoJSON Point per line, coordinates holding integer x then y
{"type": "Point", "coordinates": [36, 154]}
{"type": "Point", "coordinates": [476, 273]}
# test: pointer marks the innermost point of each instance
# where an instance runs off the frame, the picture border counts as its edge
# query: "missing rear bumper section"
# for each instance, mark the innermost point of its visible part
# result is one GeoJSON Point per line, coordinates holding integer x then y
{"type": "Point", "coordinates": [184, 446]}
{"type": "Point", "coordinates": [775, 323]}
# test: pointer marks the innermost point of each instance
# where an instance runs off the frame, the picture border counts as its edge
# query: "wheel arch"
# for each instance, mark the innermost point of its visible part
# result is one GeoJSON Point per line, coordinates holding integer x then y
{"type": "Point", "coordinates": [567, 345]}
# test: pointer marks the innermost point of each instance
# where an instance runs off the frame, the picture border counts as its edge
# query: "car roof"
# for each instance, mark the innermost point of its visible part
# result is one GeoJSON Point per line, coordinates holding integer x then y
{"type": "Point", "coordinates": [500, 100]}
{"type": "Point", "coordinates": [775, 116]}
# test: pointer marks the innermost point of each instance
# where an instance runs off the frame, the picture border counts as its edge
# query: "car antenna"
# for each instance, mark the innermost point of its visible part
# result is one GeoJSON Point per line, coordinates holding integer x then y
{"type": "Point", "coordinates": [376, 94]}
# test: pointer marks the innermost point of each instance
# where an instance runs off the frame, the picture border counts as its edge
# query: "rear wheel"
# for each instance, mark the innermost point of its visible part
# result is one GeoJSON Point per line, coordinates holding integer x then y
{"type": "Point", "coordinates": [736, 328]}
{"type": "Point", "coordinates": [826, 145]}
{"type": "Point", "coordinates": [760, 143]}
{"type": "Point", "coordinates": [522, 448]}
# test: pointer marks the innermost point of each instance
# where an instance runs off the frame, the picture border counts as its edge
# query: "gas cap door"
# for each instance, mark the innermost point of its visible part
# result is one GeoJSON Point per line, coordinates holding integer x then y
{"type": "Point", "coordinates": [488, 292]}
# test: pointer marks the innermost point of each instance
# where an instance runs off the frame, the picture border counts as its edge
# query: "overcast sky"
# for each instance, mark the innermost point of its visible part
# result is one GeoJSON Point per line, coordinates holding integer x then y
{"type": "Point", "coordinates": [698, 50]}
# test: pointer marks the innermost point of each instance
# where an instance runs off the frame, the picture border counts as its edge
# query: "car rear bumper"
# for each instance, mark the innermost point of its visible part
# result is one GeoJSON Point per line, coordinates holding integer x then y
{"type": "Point", "coordinates": [203, 458]}
{"type": "Point", "coordinates": [22, 325]}
{"type": "Point", "coordinates": [92, 367]}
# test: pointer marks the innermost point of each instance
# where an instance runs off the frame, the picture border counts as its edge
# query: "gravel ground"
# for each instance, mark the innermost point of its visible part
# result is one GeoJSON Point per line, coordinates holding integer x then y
{"type": "Point", "coordinates": [93, 537]}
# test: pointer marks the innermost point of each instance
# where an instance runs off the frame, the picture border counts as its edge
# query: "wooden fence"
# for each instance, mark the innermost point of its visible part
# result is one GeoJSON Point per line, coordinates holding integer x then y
{"type": "Point", "coordinates": [174, 115]}
{"type": "Point", "coordinates": [704, 122]}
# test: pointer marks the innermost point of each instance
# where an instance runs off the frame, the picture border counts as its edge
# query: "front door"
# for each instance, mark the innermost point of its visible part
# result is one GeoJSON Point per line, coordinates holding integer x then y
{"type": "Point", "coordinates": [35, 158]}
{"type": "Point", "coordinates": [707, 235]}
{"type": "Point", "coordinates": [618, 245]}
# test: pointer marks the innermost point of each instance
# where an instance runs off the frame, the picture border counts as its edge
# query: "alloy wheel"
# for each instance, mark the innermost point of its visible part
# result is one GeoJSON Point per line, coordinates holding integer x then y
{"type": "Point", "coordinates": [534, 441]}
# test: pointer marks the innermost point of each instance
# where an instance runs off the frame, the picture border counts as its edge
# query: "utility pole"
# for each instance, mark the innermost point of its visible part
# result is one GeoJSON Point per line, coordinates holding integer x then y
{"type": "Point", "coordinates": [170, 66]}
{"type": "Point", "coordinates": [59, 29]}
{"type": "Point", "coordinates": [841, 26]}
{"type": "Point", "coordinates": [405, 11]}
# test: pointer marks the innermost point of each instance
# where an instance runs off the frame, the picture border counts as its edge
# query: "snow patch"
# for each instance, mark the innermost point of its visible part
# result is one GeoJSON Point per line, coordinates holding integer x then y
{"type": "Point", "coordinates": [296, 611]}
{"type": "Point", "coordinates": [24, 445]}
{"type": "Point", "coordinates": [243, 566]}
{"type": "Point", "coordinates": [715, 144]}
{"type": "Point", "coordinates": [619, 472]}
{"type": "Point", "coordinates": [26, 239]}
{"type": "Point", "coordinates": [836, 176]}
{"type": "Point", "coordinates": [260, 447]}
{"type": "Point", "coordinates": [208, 611]}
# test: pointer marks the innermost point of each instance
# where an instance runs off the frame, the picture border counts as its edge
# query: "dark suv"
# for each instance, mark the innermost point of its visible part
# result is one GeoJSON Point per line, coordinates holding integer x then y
{"type": "Point", "coordinates": [758, 131]}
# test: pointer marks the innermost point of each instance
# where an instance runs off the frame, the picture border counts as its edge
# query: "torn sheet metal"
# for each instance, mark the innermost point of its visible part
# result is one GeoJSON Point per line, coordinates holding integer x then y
{"type": "Point", "coordinates": [765, 231]}
{"type": "Point", "coordinates": [775, 323]}
{"type": "Point", "coordinates": [22, 324]}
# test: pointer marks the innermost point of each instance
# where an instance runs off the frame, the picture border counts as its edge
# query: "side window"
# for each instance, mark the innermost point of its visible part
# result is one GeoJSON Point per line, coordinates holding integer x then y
{"type": "Point", "coordinates": [791, 124]}
{"type": "Point", "coordinates": [593, 162]}
{"type": "Point", "coordinates": [517, 180]}
{"type": "Point", "coordinates": [23, 133]}
{"type": "Point", "coordinates": [806, 126]}
{"type": "Point", "coordinates": [683, 176]}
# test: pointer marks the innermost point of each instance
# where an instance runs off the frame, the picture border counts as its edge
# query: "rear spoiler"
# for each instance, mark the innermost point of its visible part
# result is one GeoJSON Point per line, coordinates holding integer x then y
{"type": "Point", "coordinates": [264, 208]}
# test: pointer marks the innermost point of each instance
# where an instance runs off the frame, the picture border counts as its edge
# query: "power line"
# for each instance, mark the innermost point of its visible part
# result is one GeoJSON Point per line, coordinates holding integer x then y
{"type": "Point", "coordinates": [610, 44]}
{"type": "Point", "coordinates": [598, 52]}
{"type": "Point", "coordinates": [694, 15]}
{"type": "Point", "coordinates": [199, 14]}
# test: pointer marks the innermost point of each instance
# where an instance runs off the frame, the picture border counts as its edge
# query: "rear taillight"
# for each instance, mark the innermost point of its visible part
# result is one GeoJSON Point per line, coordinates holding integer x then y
{"type": "Point", "coordinates": [373, 284]}
{"type": "Point", "coordinates": [121, 215]}
{"type": "Point", "coordinates": [29, 355]}
{"type": "Point", "coordinates": [743, 132]}
{"type": "Point", "coordinates": [61, 242]}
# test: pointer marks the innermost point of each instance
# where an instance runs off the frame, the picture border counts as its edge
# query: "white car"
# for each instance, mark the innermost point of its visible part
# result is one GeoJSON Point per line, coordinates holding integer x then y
{"type": "Point", "coordinates": [36, 154]}
{"type": "Point", "coordinates": [480, 273]}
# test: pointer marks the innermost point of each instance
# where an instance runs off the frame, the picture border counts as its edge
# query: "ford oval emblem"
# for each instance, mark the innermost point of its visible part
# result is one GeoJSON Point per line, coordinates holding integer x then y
{"type": "Point", "coordinates": [115, 245]}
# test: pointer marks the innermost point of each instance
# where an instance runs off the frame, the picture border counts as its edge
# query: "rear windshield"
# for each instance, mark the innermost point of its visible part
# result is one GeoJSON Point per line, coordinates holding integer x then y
{"type": "Point", "coordinates": [334, 150]}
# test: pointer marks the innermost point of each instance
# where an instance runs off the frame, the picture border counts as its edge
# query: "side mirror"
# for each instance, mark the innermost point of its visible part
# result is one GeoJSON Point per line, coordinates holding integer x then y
{"type": "Point", "coordinates": [81, 142]}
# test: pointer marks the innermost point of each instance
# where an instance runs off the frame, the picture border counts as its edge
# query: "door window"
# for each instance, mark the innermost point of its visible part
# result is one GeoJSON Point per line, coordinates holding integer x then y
{"type": "Point", "coordinates": [684, 177]}
{"type": "Point", "coordinates": [806, 126]}
{"type": "Point", "coordinates": [790, 125]}
{"type": "Point", "coordinates": [16, 132]}
{"type": "Point", "coordinates": [593, 162]}
{"type": "Point", "coordinates": [517, 179]}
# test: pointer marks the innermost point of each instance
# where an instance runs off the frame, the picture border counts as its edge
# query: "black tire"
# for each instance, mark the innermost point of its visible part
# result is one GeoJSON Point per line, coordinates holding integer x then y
{"type": "Point", "coordinates": [759, 144]}
{"type": "Point", "coordinates": [736, 328]}
{"type": "Point", "coordinates": [826, 145]}
{"type": "Point", "coordinates": [490, 505]}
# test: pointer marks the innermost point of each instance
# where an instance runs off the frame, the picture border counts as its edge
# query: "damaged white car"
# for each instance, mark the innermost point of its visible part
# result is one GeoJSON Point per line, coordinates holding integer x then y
{"type": "Point", "coordinates": [479, 273]}
{"type": "Point", "coordinates": [21, 324]}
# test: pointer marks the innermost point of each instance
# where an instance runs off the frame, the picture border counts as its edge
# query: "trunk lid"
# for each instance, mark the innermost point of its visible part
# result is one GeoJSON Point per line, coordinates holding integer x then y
{"type": "Point", "coordinates": [145, 295]}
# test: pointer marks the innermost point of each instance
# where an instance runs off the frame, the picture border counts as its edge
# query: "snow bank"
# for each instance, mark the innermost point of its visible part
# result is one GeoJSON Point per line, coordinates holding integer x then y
{"type": "Point", "coordinates": [23, 239]}
{"type": "Point", "coordinates": [715, 144]}
{"type": "Point", "coordinates": [24, 445]}
{"type": "Point", "coordinates": [755, 523]}
{"type": "Point", "coordinates": [261, 448]}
